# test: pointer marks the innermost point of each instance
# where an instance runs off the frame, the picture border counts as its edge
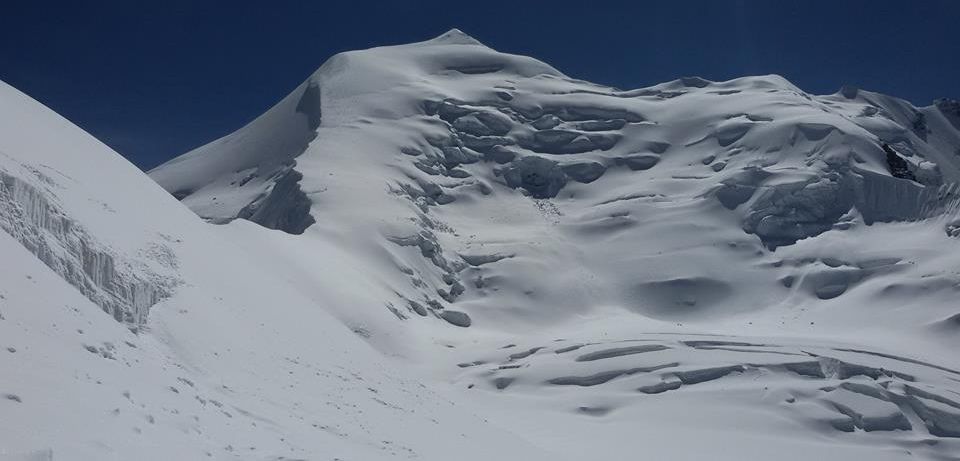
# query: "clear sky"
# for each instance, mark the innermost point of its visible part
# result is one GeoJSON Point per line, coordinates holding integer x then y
{"type": "Point", "coordinates": [155, 79]}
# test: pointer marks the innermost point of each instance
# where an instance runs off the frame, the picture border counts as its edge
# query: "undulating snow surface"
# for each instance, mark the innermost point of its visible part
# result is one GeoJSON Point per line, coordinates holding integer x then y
{"type": "Point", "coordinates": [447, 252]}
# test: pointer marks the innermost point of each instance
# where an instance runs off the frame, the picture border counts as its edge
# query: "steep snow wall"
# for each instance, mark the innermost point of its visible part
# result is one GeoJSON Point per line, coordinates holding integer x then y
{"type": "Point", "coordinates": [785, 212]}
{"type": "Point", "coordinates": [118, 286]}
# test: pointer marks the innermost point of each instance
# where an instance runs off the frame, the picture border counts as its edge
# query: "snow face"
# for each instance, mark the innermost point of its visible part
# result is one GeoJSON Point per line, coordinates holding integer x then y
{"type": "Point", "coordinates": [686, 267]}
{"type": "Point", "coordinates": [432, 154]}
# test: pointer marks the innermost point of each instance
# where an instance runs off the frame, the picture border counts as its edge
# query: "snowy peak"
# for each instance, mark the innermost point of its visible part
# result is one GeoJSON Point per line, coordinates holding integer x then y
{"type": "Point", "coordinates": [455, 133]}
{"type": "Point", "coordinates": [454, 37]}
{"type": "Point", "coordinates": [421, 144]}
{"type": "Point", "coordinates": [386, 82]}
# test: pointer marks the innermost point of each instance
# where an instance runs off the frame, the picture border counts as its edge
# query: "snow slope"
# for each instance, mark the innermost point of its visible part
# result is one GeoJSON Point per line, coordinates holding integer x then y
{"type": "Point", "coordinates": [722, 270]}
{"type": "Point", "coordinates": [224, 360]}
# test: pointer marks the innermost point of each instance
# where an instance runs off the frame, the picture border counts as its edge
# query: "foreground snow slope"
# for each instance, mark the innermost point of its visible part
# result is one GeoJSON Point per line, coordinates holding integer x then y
{"type": "Point", "coordinates": [201, 354]}
{"type": "Point", "coordinates": [492, 215]}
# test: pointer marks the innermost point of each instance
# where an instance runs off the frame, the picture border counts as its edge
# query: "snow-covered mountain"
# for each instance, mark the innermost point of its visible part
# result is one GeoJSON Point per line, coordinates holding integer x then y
{"type": "Point", "coordinates": [545, 268]}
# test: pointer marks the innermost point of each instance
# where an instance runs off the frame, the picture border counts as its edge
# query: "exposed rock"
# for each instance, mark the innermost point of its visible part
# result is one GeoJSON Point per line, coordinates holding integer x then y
{"type": "Point", "coordinates": [898, 166]}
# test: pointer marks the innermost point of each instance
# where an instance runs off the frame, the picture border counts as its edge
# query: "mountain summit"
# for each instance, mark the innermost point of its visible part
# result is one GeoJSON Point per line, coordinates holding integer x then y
{"type": "Point", "coordinates": [455, 37]}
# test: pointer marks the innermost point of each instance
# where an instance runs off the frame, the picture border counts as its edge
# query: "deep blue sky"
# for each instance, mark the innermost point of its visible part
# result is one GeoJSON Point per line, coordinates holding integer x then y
{"type": "Point", "coordinates": [155, 81]}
